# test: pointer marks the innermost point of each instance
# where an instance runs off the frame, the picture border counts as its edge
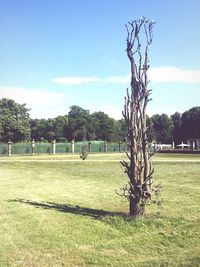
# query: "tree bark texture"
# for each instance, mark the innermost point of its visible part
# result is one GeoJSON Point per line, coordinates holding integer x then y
{"type": "Point", "coordinates": [138, 168]}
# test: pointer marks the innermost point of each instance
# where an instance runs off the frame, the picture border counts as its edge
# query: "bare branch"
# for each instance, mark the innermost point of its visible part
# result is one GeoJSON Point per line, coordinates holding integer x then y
{"type": "Point", "coordinates": [139, 169]}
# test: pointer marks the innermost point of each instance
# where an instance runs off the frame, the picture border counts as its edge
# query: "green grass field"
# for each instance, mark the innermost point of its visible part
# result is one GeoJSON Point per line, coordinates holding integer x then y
{"type": "Point", "coordinates": [61, 211]}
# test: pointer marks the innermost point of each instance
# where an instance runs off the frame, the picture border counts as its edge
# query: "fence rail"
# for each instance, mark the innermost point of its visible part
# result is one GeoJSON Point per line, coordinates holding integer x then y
{"type": "Point", "coordinates": [59, 148]}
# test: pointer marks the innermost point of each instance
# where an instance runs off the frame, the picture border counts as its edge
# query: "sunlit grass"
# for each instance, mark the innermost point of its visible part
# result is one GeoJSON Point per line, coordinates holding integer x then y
{"type": "Point", "coordinates": [61, 213]}
{"type": "Point", "coordinates": [100, 156]}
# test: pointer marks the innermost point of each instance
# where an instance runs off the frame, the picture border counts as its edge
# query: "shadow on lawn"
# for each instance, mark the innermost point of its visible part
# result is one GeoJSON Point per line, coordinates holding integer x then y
{"type": "Point", "coordinates": [78, 210]}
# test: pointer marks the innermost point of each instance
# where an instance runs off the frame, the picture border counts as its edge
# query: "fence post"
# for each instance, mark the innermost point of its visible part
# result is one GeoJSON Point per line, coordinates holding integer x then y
{"type": "Point", "coordinates": [9, 147]}
{"type": "Point", "coordinates": [105, 146]}
{"type": "Point", "coordinates": [119, 147]}
{"type": "Point", "coordinates": [33, 147]}
{"type": "Point", "coordinates": [193, 145]}
{"type": "Point", "coordinates": [54, 147]}
{"type": "Point", "coordinates": [90, 147]}
{"type": "Point", "coordinates": [173, 145]}
{"type": "Point", "coordinates": [198, 144]}
{"type": "Point", "coordinates": [72, 146]}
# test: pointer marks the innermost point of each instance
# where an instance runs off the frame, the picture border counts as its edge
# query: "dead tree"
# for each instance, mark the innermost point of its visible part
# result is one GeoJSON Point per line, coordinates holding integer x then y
{"type": "Point", "coordinates": [138, 168]}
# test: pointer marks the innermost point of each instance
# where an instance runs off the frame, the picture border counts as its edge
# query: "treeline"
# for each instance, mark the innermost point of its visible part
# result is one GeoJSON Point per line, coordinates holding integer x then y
{"type": "Point", "coordinates": [79, 124]}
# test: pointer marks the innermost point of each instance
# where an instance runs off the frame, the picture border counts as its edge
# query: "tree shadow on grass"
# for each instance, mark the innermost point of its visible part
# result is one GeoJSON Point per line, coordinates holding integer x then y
{"type": "Point", "coordinates": [68, 208]}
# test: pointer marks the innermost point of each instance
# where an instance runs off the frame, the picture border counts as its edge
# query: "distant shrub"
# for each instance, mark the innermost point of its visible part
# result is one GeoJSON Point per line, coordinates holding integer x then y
{"type": "Point", "coordinates": [84, 152]}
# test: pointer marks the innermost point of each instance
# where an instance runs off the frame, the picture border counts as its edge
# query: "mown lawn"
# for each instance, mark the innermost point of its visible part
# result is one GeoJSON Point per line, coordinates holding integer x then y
{"type": "Point", "coordinates": [61, 213]}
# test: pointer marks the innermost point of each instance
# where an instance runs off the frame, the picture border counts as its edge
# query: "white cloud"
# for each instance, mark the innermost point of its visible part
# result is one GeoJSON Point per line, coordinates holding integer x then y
{"type": "Point", "coordinates": [159, 74]}
{"type": "Point", "coordinates": [172, 74]}
{"type": "Point", "coordinates": [43, 104]}
{"type": "Point", "coordinates": [77, 80]}
{"type": "Point", "coordinates": [46, 104]}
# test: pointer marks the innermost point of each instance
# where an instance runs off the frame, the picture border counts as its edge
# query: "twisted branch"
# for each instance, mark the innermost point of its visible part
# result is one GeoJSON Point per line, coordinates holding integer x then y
{"type": "Point", "coordinates": [139, 169]}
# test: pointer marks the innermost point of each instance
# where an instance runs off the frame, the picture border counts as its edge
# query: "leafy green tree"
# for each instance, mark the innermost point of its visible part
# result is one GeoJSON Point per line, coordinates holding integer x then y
{"type": "Point", "coordinates": [39, 127]}
{"type": "Point", "coordinates": [80, 124]}
{"type": "Point", "coordinates": [60, 125]}
{"type": "Point", "coordinates": [150, 130]}
{"type": "Point", "coordinates": [34, 129]}
{"type": "Point", "coordinates": [50, 133]}
{"type": "Point", "coordinates": [121, 130]}
{"type": "Point", "coordinates": [105, 127]}
{"type": "Point", "coordinates": [14, 121]}
{"type": "Point", "coordinates": [177, 129]}
{"type": "Point", "coordinates": [49, 129]}
{"type": "Point", "coordinates": [162, 128]}
{"type": "Point", "coordinates": [191, 123]}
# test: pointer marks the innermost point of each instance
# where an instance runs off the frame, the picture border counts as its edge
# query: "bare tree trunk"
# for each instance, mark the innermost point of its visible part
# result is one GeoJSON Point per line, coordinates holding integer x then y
{"type": "Point", "coordinates": [139, 168]}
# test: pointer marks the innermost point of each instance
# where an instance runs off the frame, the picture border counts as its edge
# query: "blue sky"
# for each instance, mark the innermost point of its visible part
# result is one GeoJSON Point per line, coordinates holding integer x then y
{"type": "Point", "coordinates": [55, 54]}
